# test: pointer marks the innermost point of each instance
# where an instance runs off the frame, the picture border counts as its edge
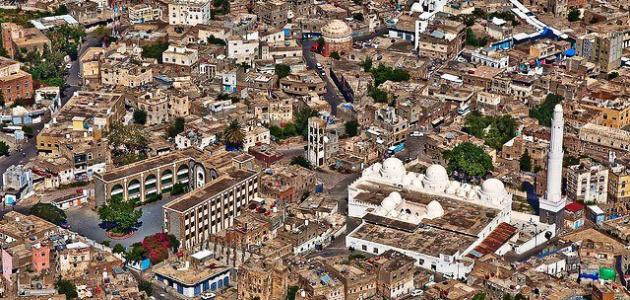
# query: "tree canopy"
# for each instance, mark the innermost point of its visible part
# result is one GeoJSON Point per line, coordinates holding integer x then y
{"type": "Point", "coordinates": [49, 213]}
{"type": "Point", "coordinates": [352, 128]}
{"type": "Point", "coordinates": [282, 70]}
{"type": "Point", "coordinates": [301, 161]}
{"type": "Point", "coordinates": [4, 148]}
{"type": "Point", "coordinates": [384, 73]}
{"type": "Point", "coordinates": [233, 135]}
{"type": "Point", "coordinates": [176, 127]}
{"type": "Point", "coordinates": [335, 55]}
{"type": "Point", "coordinates": [525, 163]}
{"type": "Point", "coordinates": [128, 143]}
{"type": "Point", "coordinates": [544, 112]}
{"type": "Point", "coordinates": [574, 15]}
{"type": "Point", "coordinates": [139, 116]}
{"type": "Point", "coordinates": [67, 288]}
{"type": "Point", "coordinates": [468, 161]}
{"type": "Point", "coordinates": [301, 120]}
{"type": "Point", "coordinates": [495, 131]}
{"type": "Point", "coordinates": [154, 50]}
{"type": "Point", "coordinates": [121, 214]}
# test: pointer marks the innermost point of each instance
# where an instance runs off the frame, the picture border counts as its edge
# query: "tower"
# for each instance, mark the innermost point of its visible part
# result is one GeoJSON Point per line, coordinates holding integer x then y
{"type": "Point", "coordinates": [552, 205]}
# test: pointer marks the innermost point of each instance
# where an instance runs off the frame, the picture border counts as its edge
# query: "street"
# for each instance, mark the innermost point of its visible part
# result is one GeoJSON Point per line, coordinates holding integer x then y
{"type": "Point", "coordinates": [29, 149]}
{"type": "Point", "coordinates": [331, 90]}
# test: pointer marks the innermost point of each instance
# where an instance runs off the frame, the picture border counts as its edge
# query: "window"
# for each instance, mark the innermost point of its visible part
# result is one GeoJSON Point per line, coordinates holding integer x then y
{"type": "Point", "coordinates": [364, 247]}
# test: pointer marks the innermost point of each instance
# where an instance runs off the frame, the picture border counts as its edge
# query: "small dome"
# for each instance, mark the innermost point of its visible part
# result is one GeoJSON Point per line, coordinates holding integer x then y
{"type": "Point", "coordinates": [492, 186]}
{"type": "Point", "coordinates": [336, 29]}
{"type": "Point", "coordinates": [395, 196]}
{"type": "Point", "coordinates": [393, 169]}
{"type": "Point", "coordinates": [436, 173]}
{"type": "Point", "coordinates": [434, 210]}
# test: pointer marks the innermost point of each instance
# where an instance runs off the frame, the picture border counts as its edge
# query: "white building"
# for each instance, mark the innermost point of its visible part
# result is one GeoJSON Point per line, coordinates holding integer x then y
{"type": "Point", "coordinates": [256, 135]}
{"type": "Point", "coordinates": [493, 59]}
{"type": "Point", "coordinates": [436, 221]}
{"type": "Point", "coordinates": [552, 205]}
{"type": "Point", "coordinates": [587, 182]}
{"type": "Point", "coordinates": [242, 50]}
{"type": "Point", "coordinates": [189, 12]}
{"type": "Point", "coordinates": [180, 55]}
{"type": "Point", "coordinates": [142, 13]}
{"type": "Point", "coordinates": [316, 141]}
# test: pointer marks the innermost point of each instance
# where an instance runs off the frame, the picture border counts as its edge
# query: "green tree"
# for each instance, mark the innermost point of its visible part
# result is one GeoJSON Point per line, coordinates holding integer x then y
{"type": "Point", "coordinates": [128, 143]}
{"type": "Point", "coordinates": [526, 162]}
{"type": "Point", "coordinates": [28, 130]}
{"type": "Point", "coordinates": [301, 120]}
{"type": "Point", "coordinates": [146, 287]}
{"type": "Point", "coordinates": [233, 135]}
{"type": "Point", "coordinates": [613, 75]}
{"type": "Point", "coordinates": [118, 248]}
{"type": "Point", "coordinates": [282, 70]}
{"type": "Point", "coordinates": [140, 116]}
{"type": "Point", "coordinates": [49, 213]}
{"type": "Point", "coordinates": [177, 127]}
{"type": "Point", "coordinates": [154, 50]}
{"type": "Point", "coordinates": [301, 161]}
{"type": "Point", "coordinates": [480, 296]}
{"type": "Point", "coordinates": [4, 149]}
{"type": "Point", "coordinates": [377, 94]}
{"type": "Point", "coordinates": [292, 291]}
{"type": "Point", "coordinates": [1, 96]}
{"type": "Point", "coordinates": [135, 253]}
{"type": "Point", "coordinates": [468, 161]}
{"type": "Point", "coordinates": [173, 242]}
{"type": "Point", "coordinates": [335, 55]}
{"type": "Point", "coordinates": [384, 73]}
{"type": "Point", "coordinates": [121, 214]}
{"type": "Point", "coordinates": [67, 288]}
{"type": "Point", "coordinates": [352, 128]}
{"type": "Point", "coordinates": [215, 41]}
{"type": "Point", "coordinates": [367, 64]}
{"type": "Point", "coordinates": [472, 40]}
{"type": "Point", "coordinates": [574, 15]}
{"type": "Point", "coordinates": [544, 112]}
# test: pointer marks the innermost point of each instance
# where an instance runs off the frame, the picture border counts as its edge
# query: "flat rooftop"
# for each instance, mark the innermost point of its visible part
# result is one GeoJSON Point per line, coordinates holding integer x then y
{"type": "Point", "coordinates": [209, 190]}
{"type": "Point", "coordinates": [459, 215]}
{"type": "Point", "coordinates": [191, 276]}
{"type": "Point", "coordinates": [425, 239]}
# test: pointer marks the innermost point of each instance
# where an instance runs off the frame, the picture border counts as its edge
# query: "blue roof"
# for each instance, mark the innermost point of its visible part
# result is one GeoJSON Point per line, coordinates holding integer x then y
{"type": "Point", "coordinates": [571, 52]}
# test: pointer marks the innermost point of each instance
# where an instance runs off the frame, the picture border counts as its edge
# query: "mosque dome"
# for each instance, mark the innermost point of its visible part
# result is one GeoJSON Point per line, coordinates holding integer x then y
{"type": "Point", "coordinates": [492, 186]}
{"type": "Point", "coordinates": [393, 168]}
{"type": "Point", "coordinates": [391, 202]}
{"type": "Point", "coordinates": [336, 29]}
{"type": "Point", "coordinates": [436, 174]}
{"type": "Point", "coordinates": [434, 210]}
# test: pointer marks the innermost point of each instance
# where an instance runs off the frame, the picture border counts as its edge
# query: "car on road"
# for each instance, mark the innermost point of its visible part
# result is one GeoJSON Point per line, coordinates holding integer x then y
{"type": "Point", "coordinates": [319, 66]}
{"type": "Point", "coordinates": [322, 73]}
{"type": "Point", "coordinates": [68, 66]}
{"type": "Point", "coordinates": [417, 292]}
{"type": "Point", "coordinates": [208, 296]}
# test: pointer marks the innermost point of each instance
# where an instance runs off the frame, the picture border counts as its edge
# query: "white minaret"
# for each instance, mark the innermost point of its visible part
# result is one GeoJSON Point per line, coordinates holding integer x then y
{"type": "Point", "coordinates": [552, 206]}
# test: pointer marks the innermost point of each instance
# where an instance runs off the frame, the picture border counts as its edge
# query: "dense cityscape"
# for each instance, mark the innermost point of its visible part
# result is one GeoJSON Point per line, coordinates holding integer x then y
{"type": "Point", "coordinates": [315, 149]}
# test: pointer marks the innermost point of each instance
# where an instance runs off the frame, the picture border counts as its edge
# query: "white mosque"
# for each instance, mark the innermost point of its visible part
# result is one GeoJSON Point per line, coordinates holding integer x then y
{"type": "Point", "coordinates": [441, 223]}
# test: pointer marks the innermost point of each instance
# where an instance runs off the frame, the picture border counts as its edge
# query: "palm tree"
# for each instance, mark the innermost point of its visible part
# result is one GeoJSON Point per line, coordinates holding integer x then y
{"type": "Point", "coordinates": [233, 135]}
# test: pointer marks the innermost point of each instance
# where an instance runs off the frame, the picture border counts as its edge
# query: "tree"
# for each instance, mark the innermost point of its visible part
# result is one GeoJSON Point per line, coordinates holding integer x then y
{"type": "Point", "coordinates": [526, 162]}
{"type": "Point", "coordinates": [121, 214]}
{"type": "Point", "coordinates": [4, 148]}
{"type": "Point", "coordinates": [468, 161]}
{"type": "Point", "coordinates": [377, 94]}
{"type": "Point", "coordinates": [177, 127]}
{"type": "Point", "coordinates": [544, 112]}
{"type": "Point", "coordinates": [173, 242]}
{"type": "Point", "coordinates": [282, 70]}
{"type": "Point", "coordinates": [384, 73]}
{"type": "Point", "coordinates": [2, 98]}
{"type": "Point", "coordinates": [118, 248]}
{"type": "Point", "coordinates": [292, 291]}
{"type": "Point", "coordinates": [215, 41]}
{"type": "Point", "coordinates": [140, 117]}
{"type": "Point", "coordinates": [335, 55]}
{"type": "Point", "coordinates": [479, 296]}
{"type": "Point", "coordinates": [301, 161]}
{"type": "Point", "coordinates": [574, 15]}
{"type": "Point", "coordinates": [128, 143]}
{"type": "Point", "coordinates": [495, 131]}
{"type": "Point", "coordinates": [136, 253]}
{"type": "Point", "coordinates": [49, 213]}
{"type": "Point", "coordinates": [146, 287]}
{"type": "Point", "coordinates": [472, 40]}
{"type": "Point", "coordinates": [613, 75]}
{"type": "Point", "coordinates": [367, 64]}
{"type": "Point", "coordinates": [352, 128]}
{"type": "Point", "coordinates": [28, 130]}
{"type": "Point", "coordinates": [67, 288]}
{"type": "Point", "coordinates": [154, 50]}
{"type": "Point", "coordinates": [233, 135]}
{"type": "Point", "coordinates": [301, 120]}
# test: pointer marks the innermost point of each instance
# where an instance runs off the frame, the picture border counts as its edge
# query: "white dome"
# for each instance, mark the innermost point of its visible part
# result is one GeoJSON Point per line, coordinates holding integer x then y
{"type": "Point", "coordinates": [395, 196]}
{"type": "Point", "coordinates": [492, 186]}
{"type": "Point", "coordinates": [436, 174]}
{"type": "Point", "coordinates": [434, 210]}
{"type": "Point", "coordinates": [393, 169]}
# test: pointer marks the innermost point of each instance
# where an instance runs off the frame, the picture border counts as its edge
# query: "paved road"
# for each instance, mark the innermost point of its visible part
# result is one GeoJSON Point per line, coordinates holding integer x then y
{"type": "Point", "coordinates": [86, 222]}
{"type": "Point", "coordinates": [28, 150]}
{"type": "Point", "coordinates": [331, 90]}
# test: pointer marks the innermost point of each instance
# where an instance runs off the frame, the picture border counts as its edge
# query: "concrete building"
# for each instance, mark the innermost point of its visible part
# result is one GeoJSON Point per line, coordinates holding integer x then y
{"type": "Point", "coordinates": [435, 221]}
{"type": "Point", "coordinates": [491, 59]}
{"type": "Point", "coordinates": [303, 84]}
{"type": "Point", "coordinates": [189, 12]}
{"type": "Point", "coordinates": [552, 205]}
{"type": "Point", "coordinates": [17, 39]}
{"type": "Point", "coordinates": [17, 183]}
{"type": "Point", "coordinates": [141, 13]}
{"type": "Point", "coordinates": [261, 278]}
{"type": "Point", "coordinates": [587, 182]}
{"type": "Point", "coordinates": [319, 142]}
{"type": "Point", "coordinates": [124, 73]}
{"type": "Point", "coordinates": [242, 50]}
{"type": "Point", "coordinates": [14, 83]}
{"type": "Point", "coordinates": [337, 38]}
{"type": "Point", "coordinates": [212, 207]}
{"type": "Point", "coordinates": [619, 183]}
{"type": "Point", "coordinates": [180, 55]}
{"type": "Point", "coordinates": [273, 13]}
{"type": "Point", "coordinates": [603, 47]}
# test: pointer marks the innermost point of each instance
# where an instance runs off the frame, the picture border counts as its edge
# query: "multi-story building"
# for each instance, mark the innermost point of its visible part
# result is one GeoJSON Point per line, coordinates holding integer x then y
{"type": "Point", "coordinates": [303, 84]}
{"type": "Point", "coordinates": [619, 183]}
{"type": "Point", "coordinates": [587, 182]}
{"type": "Point", "coordinates": [273, 13]}
{"type": "Point", "coordinates": [600, 140]}
{"type": "Point", "coordinates": [14, 83]}
{"type": "Point", "coordinates": [603, 46]}
{"type": "Point", "coordinates": [180, 55]}
{"type": "Point", "coordinates": [261, 278]}
{"type": "Point", "coordinates": [90, 65]}
{"type": "Point", "coordinates": [491, 59]}
{"type": "Point", "coordinates": [445, 41]}
{"type": "Point", "coordinates": [141, 13]}
{"type": "Point", "coordinates": [17, 183]}
{"type": "Point", "coordinates": [190, 168]}
{"type": "Point", "coordinates": [316, 282]}
{"type": "Point", "coordinates": [212, 207]}
{"type": "Point", "coordinates": [611, 113]}
{"type": "Point", "coordinates": [189, 12]}
{"type": "Point", "coordinates": [359, 282]}
{"type": "Point", "coordinates": [256, 135]}
{"type": "Point", "coordinates": [19, 40]}
{"type": "Point", "coordinates": [155, 103]}
{"type": "Point", "coordinates": [242, 50]}
{"type": "Point", "coordinates": [395, 277]}
{"type": "Point", "coordinates": [124, 73]}
{"type": "Point", "coordinates": [316, 141]}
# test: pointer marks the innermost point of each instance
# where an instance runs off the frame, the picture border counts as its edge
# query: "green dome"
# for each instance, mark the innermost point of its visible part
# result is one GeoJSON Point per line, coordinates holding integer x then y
{"type": "Point", "coordinates": [607, 273]}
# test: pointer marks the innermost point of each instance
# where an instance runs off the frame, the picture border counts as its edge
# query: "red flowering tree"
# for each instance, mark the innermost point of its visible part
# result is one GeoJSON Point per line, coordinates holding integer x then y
{"type": "Point", "coordinates": [157, 246]}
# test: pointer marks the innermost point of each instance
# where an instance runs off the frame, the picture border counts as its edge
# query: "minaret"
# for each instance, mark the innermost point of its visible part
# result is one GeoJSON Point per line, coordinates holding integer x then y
{"type": "Point", "coordinates": [552, 205]}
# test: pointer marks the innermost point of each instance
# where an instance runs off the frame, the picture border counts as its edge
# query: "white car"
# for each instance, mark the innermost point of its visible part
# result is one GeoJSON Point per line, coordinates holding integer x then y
{"type": "Point", "coordinates": [417, 292]}
{"type": "Point", "coordinates": [208, 296]}
{"type": "Point", "coordinates": [68, 66]}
